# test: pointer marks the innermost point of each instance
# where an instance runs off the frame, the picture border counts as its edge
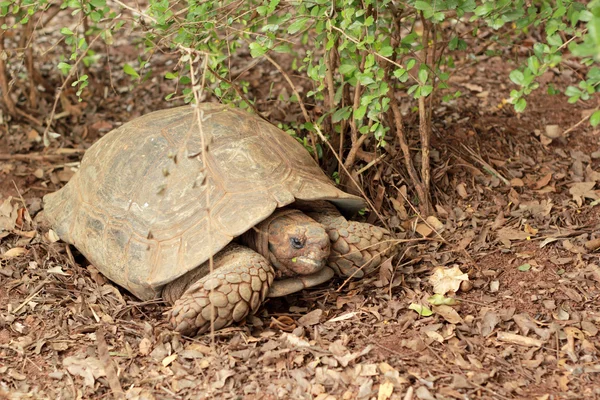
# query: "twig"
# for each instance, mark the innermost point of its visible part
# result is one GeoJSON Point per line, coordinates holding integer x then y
{"type": "Point", "coordinates": [66, 82]}
{"type": "Point", "coordinates": [581, 121]}
{"type": "Point", "coordinates": [313, 140]}
{"type": "Point", "coordinates": [424, 131]}
{"type": "Point", "coordinates": [32, 157]}
{"type": "Point", "coordinates": [138, 11]}
{"type": "Point", "coordinates": [107, 363]}
{"type": "Point", "coordinates": [34, 293]}
{"type": "Point", "coordinates": [487, 167]}
{"type": "Point", "coordinates": [371, 163]}
{"type": "Point", "coordinates": [3, 77]}
{"type": "Point", "coordinates": [198, 89]}
{"type": "Point", "coordinates": [408, 164]}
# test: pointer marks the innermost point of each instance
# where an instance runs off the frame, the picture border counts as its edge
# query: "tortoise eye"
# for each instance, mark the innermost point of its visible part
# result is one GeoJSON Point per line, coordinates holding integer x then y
{"type": "Point", "coordinates": [296, 243]}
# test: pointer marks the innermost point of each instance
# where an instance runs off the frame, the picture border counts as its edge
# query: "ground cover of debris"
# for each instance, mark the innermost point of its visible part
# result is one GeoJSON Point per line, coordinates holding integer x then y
{"type": "Point", "coordinates": [518, 233]}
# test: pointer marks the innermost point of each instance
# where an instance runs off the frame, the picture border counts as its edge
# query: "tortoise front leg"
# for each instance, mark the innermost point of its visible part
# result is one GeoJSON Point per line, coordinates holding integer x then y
{"type": "Point", "coordinates": [238, 285]}
{"type": "Point", "coordinates": [357, 248]}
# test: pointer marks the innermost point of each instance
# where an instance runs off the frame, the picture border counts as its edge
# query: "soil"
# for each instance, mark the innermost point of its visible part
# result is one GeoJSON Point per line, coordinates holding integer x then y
{"type": "Point", "coordinates": [515, 214]}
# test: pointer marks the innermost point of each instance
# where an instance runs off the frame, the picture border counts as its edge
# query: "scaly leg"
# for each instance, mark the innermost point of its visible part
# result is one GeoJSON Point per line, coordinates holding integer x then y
{"type": "Point", "coordinates": [237, 287]}
{"type": "Point", "coordinates": [357, 248]}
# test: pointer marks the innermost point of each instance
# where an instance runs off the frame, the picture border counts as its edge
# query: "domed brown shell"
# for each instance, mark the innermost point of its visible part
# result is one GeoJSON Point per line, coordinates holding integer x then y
{"type": "Point", "coordinates": [144, 209]}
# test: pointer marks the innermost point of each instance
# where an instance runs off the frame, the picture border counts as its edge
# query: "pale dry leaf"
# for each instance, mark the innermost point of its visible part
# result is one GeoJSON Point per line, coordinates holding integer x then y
{"type": "Point", "coordinates": [435, 336]}
{"type": "Point", "coordinates": [89, 368]}
{"type": "Point", "coordinates": [222, 376]}
{"type": "Point", "coordinates": [312, 318]}
{"type": "Point", "coordinates": [386, 271]}
{"type": "Point", "coordinates": [424, 230]}
{"type": "Point", "coordinates": [583, 190]}
{"type": "Point", "coordinates": [385, 390]}
{"type": "Point", "coordinates": [145, 346]}
{"type": "Point", "coordinates": [512, 234]}
{"type": "Point", "coordinates": [57, 271]}
{"type": "Point", "coordinates": [448, 313]}
{"type": "Point", "coordinates": [445, 280]}
{"type": "Point", "coordinates": [519, 339]}
{"type": "Point", "coordinates": [343, 317]}
{"type": "Point", "coordinates": [591, 175]}
{"type": "Point", "coordinates": [368, 370]}
{"type": "Point", "coordinates": [461, 189]}
{"type": "Point", "coordinates": [295, 340]}
{"type": "Point", "coordinates": [8, 215]}
{"type": "Point", "coordinates": [52, 236]}
{"type": "Point", "coordinates": [473, 88]}
{"type": "Point", "coordinates": [489, 322]}
{"type": "Point", "coordinates": [169, 359]}
{"type": "Point", "coordinates": [14, 252]}
{"type": "Point", "coordinates": [435, 223]}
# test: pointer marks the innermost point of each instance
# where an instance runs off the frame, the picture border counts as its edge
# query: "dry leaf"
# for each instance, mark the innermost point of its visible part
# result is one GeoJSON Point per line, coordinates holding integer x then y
{"type": "Point", "coordinates": [543, 181]}
{"type": "Point", "coordinates": [52, 236]}
{"type": "Point", "coordinates": [169, 359]}
{"type": "Point", "coordinates": [385, 390]}
{"type": "Point", "coordinates": [583, 190]}
{"type": "Point", "coordinates": [88, 368]}
{"type": "Point", "coordinates": [343, 317]}
{"type": "Point", "coordinates": [446, 280]}
{"type": "Point", "coordinates": [145, 346]}
{"type": "Point", "coordinates": [57, 270]}
{"type": "Point", "coordinates": [448, 313]}
{"type": "Point", "coordinates": [519, 339]}
{"type": "Point", "coordinates": [14, 252]}
{"type": "Point", "coordinates": [312, 318]}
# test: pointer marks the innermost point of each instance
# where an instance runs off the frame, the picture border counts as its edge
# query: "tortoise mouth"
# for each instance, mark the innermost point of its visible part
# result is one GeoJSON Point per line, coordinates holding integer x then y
{"type": "Point", "coordinates": [316, 265]}
{"type": "Point", "coordinates": [303, 265]}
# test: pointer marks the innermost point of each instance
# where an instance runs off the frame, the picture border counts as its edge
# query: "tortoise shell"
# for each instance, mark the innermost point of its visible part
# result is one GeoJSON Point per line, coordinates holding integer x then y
{"type": "Point", "coordinates": [147, 205]}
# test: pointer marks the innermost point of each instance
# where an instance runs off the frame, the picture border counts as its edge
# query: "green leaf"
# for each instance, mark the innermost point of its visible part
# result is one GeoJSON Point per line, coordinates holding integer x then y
{"type": "Point", "coordinates": [128, 69]}
{"type": "Point", "coordinates": [64, 67]}
{"type": "Point", "coordinates": [426, 90]}
{"type": "Point", "coordinates": [346, 69]}
{"type": "Point", "coordinates": [517, 77]}
{"type": "Point", "coordinates": [423, 75]}
{"type": "Point", "coordinates": [257, 49]}
{"type": "Point", "coordinates": [297, 26]}
{"type": "Point", "coordinates": [534, 64]}
{"type": "Point", "coordinates": [595, 118]}
{"type": "Point", "coordinates": [341, 114]}
{"type": "Point", "coordinates": [66, 31]}
{"type": "Point", "coordinates": [386, 51]}
{"type": "Point", "coordinates": [421, 310]}
{"type": "Point", "coordinates": [423, 6]}
{"type": "Point", "coordinates": [521, 104]}
{"type": "Point", "coordinates": [439, 299]}
{"type": "Point", "coordinates": [525, 267]}
{"type": "Point", "coordinates": [360, 112]}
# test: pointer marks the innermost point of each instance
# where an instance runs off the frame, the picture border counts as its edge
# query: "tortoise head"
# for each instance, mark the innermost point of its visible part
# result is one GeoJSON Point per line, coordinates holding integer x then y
{"type": "Point", "coordinates": [294, 243]}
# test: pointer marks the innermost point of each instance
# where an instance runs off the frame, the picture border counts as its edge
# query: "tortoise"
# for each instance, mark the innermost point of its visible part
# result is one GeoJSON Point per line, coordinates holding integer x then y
{"type": "Point", "coordinates": [155, 214]}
